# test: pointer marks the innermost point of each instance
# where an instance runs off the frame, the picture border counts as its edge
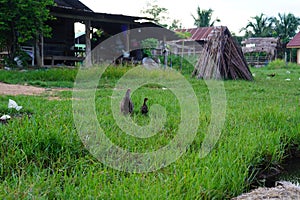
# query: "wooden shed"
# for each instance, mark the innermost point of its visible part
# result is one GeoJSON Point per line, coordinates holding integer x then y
{"type": "Point", "coordinates": [259, 51]}
{"type": "Point", "coordinates": [220, 56]}
{"type": "Point", "coordinates": [295, 44]}
{"type": "Point", "coordinates": [60, 47]}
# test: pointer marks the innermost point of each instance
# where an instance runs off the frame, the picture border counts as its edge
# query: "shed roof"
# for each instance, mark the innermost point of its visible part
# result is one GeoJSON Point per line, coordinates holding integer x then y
{"type": "Point", "coordinates": [261, 44]}
{"type": "Point", "coordinates": [79, 15]}
{"type": "Point", "coordinates": [110, 23]}
{"type": "Point", "coordinates": [295, 42]}
{"type": "Point", "coordinates": [198, 34]}
{"type": "Point", "coordinates": [72, 4]}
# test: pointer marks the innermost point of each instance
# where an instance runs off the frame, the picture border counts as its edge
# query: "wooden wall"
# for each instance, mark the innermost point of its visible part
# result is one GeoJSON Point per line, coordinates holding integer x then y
{"type": "Point", "coordinates": [61, 42]}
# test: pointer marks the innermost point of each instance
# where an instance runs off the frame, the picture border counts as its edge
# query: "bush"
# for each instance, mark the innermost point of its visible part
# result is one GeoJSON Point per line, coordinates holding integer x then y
{"type": "Point", "coordinates": [281, 64]}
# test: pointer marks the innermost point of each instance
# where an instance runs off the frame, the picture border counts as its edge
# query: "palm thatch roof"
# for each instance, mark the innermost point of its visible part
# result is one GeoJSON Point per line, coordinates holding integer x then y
{"type": "Point", "coordinates": [221, 57]}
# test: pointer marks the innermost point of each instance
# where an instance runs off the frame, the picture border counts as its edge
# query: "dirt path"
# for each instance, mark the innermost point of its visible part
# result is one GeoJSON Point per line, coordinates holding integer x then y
{"type": "Point", "coordinates": [13, 89]}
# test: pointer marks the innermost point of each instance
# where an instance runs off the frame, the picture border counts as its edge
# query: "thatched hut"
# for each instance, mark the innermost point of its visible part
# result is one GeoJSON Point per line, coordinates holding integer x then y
{"type": "Point", "coordinates": [221, 57]}
{"type": "Point", "coordinates": [261, 50]}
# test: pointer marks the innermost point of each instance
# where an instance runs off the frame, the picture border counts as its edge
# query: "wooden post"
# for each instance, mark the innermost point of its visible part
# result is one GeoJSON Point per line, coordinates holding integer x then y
{"type": "Point", "coordinates": [165, 52]}
{"type": "Point", "coordinates": [128, 39]}
{"type": "Point", "coordinates": [181, 55]}
{"type": "Point", "coordinates": [298, 56]}
{"type": "Point", "coordinates": [285, 57]}
{"type": "Point", "coordinates": [88, 48]}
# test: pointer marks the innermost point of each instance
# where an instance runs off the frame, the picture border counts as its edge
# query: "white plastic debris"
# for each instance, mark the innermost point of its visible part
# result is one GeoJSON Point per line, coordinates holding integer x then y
{"type": "Point", "coordinates": [288, 79]}
{"type": "Point", "coordinates": [13, 104]}
{"type": "Point", "coordinates": [5, 117]}
{"type": "Point", "coordinates": [253, 74]}
{"type": "Point", "coordinates": [288, 72]}
{"type": "Point", "coordinates": [164, 88]}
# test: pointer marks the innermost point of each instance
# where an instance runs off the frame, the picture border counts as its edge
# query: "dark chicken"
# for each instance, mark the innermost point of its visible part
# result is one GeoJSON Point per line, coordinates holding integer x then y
{"type": "Point", "coordinates": [144, 108]}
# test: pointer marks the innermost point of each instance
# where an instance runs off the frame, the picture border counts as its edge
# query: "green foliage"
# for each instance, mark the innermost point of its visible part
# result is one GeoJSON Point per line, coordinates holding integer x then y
{"type": "Point", "coordinates": [148, 45]}
{"type": "Point", "coordinates": [21, 21]}
{"type": "Point", "coordinates": [40, 77]}
{"type": "Point", "coordinates": [204, 18]}
{"type": "Point", "coordinates": [176, 24]}
{"type": "Point", "coordinates": [183, 64]}
{"type": "Point", "coordinates": [260, 27]}
{"type": "Point", "coordinates": [184, 35]}
{"type": "Point", "coordinates": [281, 64]}
{"type": "Point", "coordinates": [159, 15]}
{"type": "Point", "coordinates": [285, 26]}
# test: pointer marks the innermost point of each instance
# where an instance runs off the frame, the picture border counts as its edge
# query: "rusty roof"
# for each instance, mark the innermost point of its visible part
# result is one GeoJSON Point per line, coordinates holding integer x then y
{"type": "Point", "coordinates": [295, 42]}
{"type": "Point", "coordinates": [198, 34]}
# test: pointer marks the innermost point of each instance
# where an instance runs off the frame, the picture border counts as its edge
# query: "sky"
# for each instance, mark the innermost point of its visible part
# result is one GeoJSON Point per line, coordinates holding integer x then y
{"type": "Point", "coordinates": [234, 14]}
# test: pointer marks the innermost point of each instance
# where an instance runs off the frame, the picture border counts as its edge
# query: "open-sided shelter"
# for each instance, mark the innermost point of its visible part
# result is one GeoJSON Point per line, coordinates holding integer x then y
{"type": "Point", "coordinates": [259, 51]}
{"type": "Point", "coordinates": [61, 45]}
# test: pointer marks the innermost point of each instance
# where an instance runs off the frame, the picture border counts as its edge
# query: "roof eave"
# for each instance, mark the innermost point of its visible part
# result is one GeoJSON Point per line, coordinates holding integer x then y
{"type": "Point", "coordinates": [293, 47]}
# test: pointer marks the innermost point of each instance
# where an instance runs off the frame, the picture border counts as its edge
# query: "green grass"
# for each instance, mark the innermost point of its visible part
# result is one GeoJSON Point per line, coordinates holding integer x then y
{"type": "Point", "coordinates": [42, 157]}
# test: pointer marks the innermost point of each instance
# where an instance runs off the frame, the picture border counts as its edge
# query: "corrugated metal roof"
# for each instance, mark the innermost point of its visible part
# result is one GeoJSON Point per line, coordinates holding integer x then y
{"type": "Point", "coordinates": [72, 4]}
{"type": "Point", "coordinates": [295, 42]}
{"type": "Point", "coordinates": [198, 33]}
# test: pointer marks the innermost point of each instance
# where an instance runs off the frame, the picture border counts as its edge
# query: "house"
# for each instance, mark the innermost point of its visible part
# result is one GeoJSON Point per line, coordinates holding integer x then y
{"type": "Point", "coordinates": [295, 44]}
{"type": "Point", "coordinates": [219, 55]}
{"type": "Point", "coordinates": [259, 51]}
{"type": "Point", "coordinates": [61, 48]}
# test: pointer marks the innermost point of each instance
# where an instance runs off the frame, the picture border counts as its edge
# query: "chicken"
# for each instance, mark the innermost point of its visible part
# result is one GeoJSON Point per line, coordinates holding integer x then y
{"type": "Point", "coordinates": [144, 108]}
{"type": "Point", "coordinates": [271, 75]}
{"type": "Point", "coordinates": [126, 105]}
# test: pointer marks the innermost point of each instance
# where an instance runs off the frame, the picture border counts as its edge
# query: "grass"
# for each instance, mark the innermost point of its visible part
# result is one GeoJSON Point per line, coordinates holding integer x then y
{"type": "Point", "coordinates": [42, 157]}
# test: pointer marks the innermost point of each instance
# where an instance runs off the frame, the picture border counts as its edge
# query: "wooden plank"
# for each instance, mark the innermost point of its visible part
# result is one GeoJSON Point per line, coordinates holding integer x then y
{"type": "Point", "coordinates": [67, 58]}
{"type": "Point", "coordinates": [64, 58]}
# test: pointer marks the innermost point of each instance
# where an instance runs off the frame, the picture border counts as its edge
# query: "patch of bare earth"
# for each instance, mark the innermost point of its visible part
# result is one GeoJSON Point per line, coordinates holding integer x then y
{"type": "Point", "coordinates": [14, 89]}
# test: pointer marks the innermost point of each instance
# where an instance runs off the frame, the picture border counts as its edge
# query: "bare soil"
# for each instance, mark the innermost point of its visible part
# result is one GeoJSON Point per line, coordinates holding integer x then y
{"type": "Point", "coordinates": [13, 89]}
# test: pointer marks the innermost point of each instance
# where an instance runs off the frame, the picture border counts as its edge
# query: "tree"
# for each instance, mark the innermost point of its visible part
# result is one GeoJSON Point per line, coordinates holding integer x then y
{"type": "Point", "coordinates": [157, 13]}
{"type": "Point", "coordinates": [22, 21]}
{"type": "Point", "coordinates": [260, 27]}
{"type": "Point", "coordinates": [285, 26]}
{"type": "Point", "coordinates": [204, 18]}
{"type": "Point", "coordinates": [159, 16]}
{"type": "Point", "coordinates": [176, 24]}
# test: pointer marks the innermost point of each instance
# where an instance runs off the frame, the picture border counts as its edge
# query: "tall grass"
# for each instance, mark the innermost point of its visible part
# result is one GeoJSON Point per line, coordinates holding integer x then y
{"type": "Point", "coordinates": [42, 157]}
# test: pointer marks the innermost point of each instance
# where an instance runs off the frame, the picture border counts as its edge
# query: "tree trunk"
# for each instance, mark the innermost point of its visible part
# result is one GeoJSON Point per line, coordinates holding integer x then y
{"type": "Point", "coordinates": [38, 52]}
{"type": "Point", "coordinates": [12, 45]}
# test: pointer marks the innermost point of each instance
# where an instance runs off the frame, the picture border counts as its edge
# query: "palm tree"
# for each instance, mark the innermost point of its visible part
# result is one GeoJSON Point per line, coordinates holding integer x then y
{"type": "Point", "coordinates": [203, 18]}
{"type": "Point", "coordinates": [285, 26]}
{"type": "Point", "coordinates": [260, 27]}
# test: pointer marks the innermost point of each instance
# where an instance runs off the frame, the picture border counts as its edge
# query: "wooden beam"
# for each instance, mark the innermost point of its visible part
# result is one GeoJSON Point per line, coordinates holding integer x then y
{"type": "Point", "coordinates": [90, 18]}
{"type": "Point", "coordinates": [88, 46]}
{"type": "Point", "coordinates": [128, 39]}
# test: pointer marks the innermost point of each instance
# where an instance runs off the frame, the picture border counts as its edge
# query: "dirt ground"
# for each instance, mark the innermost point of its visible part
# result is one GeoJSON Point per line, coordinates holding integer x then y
{"type": "Point", "coordinates": [13, 89]}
